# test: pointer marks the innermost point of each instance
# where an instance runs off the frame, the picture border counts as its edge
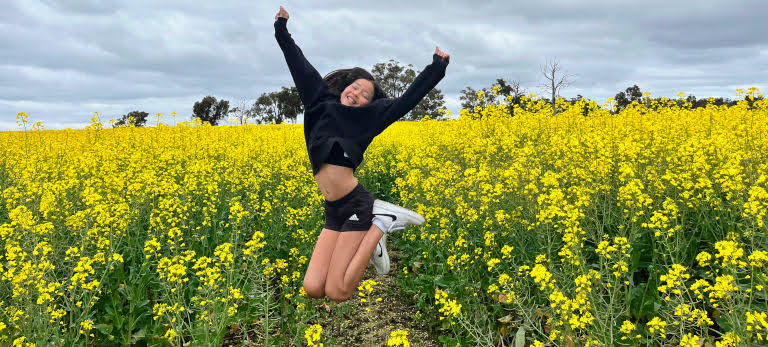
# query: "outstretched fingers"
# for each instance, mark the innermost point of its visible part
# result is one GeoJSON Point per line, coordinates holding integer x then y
{"type": "Point", "coordinates": [442, 54]}
{"type": "Point", "coordinates": [282, 13]}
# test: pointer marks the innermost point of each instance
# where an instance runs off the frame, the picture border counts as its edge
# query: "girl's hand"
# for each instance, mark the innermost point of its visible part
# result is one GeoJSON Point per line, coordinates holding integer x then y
{"type": "Point", "coordinates": [282, 13]}
{"type": "Point", "coordinates": [442, 54]}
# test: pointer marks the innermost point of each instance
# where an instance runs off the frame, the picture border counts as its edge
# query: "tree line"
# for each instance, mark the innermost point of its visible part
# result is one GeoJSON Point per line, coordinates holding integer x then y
{"type": "Point", "coordinates": [285, 105]}
{"type": "Point", "coordinates": [394, 78]}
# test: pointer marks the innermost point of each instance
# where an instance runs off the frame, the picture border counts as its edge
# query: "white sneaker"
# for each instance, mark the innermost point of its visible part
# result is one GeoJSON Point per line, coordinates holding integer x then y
{"type": "Point", "coordinates": [380, 258]}
{"type": "Point", "coordinates": [395, 217]}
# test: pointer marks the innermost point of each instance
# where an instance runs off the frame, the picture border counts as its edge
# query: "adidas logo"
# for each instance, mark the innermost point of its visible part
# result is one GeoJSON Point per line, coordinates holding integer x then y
{"type": "Point", "coordinates": [354, 217]}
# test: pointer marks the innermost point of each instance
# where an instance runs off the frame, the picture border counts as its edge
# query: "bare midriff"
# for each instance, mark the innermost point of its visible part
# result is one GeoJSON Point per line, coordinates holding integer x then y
{"type": "Point", "coordinates": [335, 181]}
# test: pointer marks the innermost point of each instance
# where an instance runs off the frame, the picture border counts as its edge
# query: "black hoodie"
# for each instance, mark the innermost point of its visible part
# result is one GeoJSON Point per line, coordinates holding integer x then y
{"type": "Point", "coordinates": [327, 120]}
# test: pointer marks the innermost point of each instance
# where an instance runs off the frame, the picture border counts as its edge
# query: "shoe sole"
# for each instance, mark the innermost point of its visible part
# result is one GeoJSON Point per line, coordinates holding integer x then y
{"type": "Point", "coordinates": [384, 258]}
{"type": "Point", "coordinates": [389, 207]}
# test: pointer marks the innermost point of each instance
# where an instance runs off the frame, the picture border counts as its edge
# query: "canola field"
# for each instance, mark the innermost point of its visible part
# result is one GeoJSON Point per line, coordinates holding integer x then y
{"type": "Point", "coordinates": [644, 227]}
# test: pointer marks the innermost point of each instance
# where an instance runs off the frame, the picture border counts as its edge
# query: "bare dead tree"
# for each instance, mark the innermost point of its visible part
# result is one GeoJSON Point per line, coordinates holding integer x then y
{"type": "Point", "coordinates": [555, 81]}
{"type": "Point", "coordinates": [243, 111]}
{"type": "Point", "coordinates": [515, 89]}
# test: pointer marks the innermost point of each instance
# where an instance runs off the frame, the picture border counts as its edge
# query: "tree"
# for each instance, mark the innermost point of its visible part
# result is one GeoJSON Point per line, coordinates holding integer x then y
{"type": "Point", "coordinates": [136, 118]}
{"type": "Point", "coordinates": [290, 103]}
{"type": "Point", "coordinates": [469, 99]}
{"type": "Point", "coordinates": [394, 79]}
{"type": "Point", "coordinates": [242, 112]}
{"type": "Point", "coordinates": [265, 109]}
{"type": "Point", "coordinates": [210, 110]}
{"type": "Point", "coordinates": [555, 81]}
{"type": "Point", "coordinates": [623, 99]}
{"type": "Point", "coordinates": [428, 106]}
{"type": "Point", "coordinates": [276, 107]}
{"type": "Point", "coordinates": [513, 90]}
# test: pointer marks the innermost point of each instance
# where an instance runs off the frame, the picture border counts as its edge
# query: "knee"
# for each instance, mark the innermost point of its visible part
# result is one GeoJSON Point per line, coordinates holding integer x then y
{"type": "Point", "coordinates": [337, 293]}
{"type": "Point", "coordinates": [315, 289]}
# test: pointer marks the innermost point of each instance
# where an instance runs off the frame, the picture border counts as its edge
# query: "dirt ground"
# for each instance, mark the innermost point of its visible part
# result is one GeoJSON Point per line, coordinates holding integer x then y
{"type": "Point", "coordinates": [372, 328]}
{"type": "Point", "coordinates": [350, 324]}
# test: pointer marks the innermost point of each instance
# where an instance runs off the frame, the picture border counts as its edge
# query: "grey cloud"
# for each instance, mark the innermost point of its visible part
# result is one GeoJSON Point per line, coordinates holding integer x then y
{"type": "Point", "coordinates": [83, 6]}
{"type": "Point", "coordinates": [62, 60]}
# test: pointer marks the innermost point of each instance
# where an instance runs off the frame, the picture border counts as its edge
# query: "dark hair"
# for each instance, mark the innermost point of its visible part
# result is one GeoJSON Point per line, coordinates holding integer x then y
{"type": "Point", "coordinates": [339, 79]}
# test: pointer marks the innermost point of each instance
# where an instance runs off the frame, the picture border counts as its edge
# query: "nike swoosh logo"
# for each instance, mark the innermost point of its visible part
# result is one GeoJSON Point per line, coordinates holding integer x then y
{"type": "Point", "coordinates": [381, 251]}
{"type": "Point", "coordinates": [394, 218]}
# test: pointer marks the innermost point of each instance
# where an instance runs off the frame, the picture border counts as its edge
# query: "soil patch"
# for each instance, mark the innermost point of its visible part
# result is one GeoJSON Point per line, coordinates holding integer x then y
{"type": "Point", "coordinates": [360, 327]}
{"type": "Point", "coordinates": [354, 323]}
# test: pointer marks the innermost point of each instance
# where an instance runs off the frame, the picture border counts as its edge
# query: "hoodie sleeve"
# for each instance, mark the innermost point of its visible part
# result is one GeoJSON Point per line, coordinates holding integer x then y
{"type": "Point", "coordinates": [308, 81]}
{"type": "Point", "coordinates": [424, 82]}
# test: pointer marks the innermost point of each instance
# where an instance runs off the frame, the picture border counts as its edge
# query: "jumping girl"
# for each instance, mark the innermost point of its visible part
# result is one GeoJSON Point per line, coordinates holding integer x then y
{"type": "Point", "coordinates": [343, 112]}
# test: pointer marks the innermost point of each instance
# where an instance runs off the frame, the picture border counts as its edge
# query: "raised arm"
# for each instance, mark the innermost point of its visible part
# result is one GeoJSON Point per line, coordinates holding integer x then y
{"type": "Point", "coordinates": [424, 82]}
{"type": "Point", "coordinates": [308, 81]}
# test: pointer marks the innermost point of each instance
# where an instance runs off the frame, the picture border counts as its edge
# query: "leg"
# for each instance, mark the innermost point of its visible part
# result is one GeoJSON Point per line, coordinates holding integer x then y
{"type": "Point", "coordinates": [349, 260]}
{"type": "Point", "coordinates": [317, 271]}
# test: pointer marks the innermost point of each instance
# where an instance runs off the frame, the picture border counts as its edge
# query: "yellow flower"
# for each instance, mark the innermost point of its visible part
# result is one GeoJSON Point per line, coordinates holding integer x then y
{"type": "Point", "coordinates": [758, 258]}
{"type": "Point", "coordinates": [448, 307]}
{"type": "Point", "coordinates": [757, 323]}
{"type": "Point", "coordinates": [728, 340]}
{"type": "Point", "coordinates": [703, 258]}
{"type": "Point", "coordinates": [724, 286]}
{"type": "Point", "coordinates": [170, 334]}
{"type": "Point", "coordinates": [492, 262]}
{"type": "Point", "coordinates": [657, 326]}
{"type": "Point", "coordinates": [312, 334]}
{"type": "Point", "coordinates": [86, 326]}
{"type": "Point", "coordinates": [690, 340]}
{"type": "Point", "coordinates": [673, 280]}
{"type": "Point", "coordinates": [506, 251]}
{"type": "Point", "coordinates": [398, 338]}
{"type": "Point", "coordinates": [729, 253]}
{"type": "Point", "coordinates": [627, 327]}
{"type": "Point", "coordinates": [540, 275]}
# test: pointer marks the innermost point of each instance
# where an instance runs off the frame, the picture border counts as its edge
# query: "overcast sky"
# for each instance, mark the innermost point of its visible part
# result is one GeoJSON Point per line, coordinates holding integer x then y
{"type": "Point", "coordinates": [60, 61]}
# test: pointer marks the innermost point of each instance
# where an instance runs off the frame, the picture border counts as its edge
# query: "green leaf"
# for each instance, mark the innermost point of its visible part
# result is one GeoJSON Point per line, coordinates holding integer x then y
{"type": "Point", "coordinates": [520, 337]}
{"type": "Point", "coordinates": [448, 341]}
{"type": "Point", "coordinates": [725, 326]}
{"type": "Point", "coordinates": [441, 282]}
{"type": "Point", "coordinates": [105, 329]}
{"type": "Point", "coordinates": [642, 300]}
{"type": "Point", "coordinates": [445, 281]}
{"type": "Point", "coordinates": [139, 335]}
{"type": "Point", "coordinates": [110, 311]}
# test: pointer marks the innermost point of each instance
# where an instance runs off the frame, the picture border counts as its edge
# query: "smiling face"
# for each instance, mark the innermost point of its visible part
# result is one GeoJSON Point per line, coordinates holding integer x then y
{"type": "Point", "coordinates": [357, 94]}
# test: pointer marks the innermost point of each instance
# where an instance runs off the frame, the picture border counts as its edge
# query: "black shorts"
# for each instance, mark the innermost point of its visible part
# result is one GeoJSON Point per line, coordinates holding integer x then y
{"type": "Point", "coordinates": [353, 212]}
